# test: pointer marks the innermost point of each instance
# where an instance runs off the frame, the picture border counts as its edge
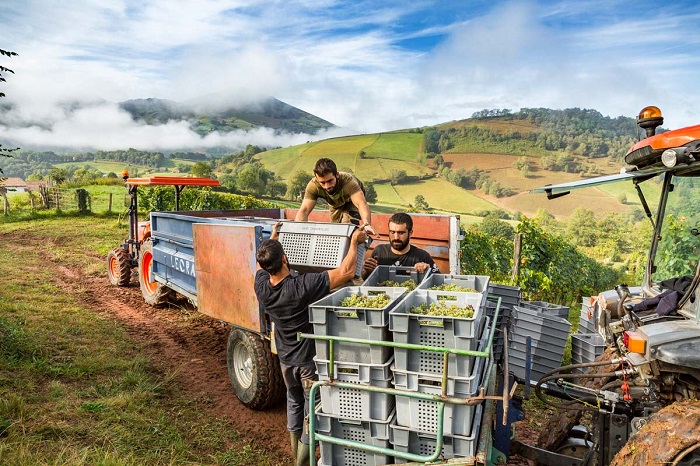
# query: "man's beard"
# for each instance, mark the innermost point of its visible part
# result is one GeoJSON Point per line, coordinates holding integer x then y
{"type": "Point", "coordinates": [399, 245]}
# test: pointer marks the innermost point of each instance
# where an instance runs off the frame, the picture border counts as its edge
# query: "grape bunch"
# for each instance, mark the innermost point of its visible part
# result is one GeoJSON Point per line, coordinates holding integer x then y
{"type": "Point", "coordinates": [444, 310]}
{"type": "Point", "coordinates": [375, 302]}
{"type": "Point", "coordinates": [409, 284]}
{"type": "Point", "coordinates": [452, 287]}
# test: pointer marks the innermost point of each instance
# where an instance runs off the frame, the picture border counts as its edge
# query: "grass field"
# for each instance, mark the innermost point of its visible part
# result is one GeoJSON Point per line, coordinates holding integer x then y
{"type": "Point", "coordinates": [75, 389]}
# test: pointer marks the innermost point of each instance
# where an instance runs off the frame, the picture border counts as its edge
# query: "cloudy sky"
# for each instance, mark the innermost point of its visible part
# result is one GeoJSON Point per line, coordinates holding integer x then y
{"type": "Point", "coordinates": [364, 65]}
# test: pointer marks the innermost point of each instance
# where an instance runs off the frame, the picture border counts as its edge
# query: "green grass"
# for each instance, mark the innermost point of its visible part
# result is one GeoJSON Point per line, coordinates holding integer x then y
{"type": "Point", "coordinates": [75, 389]}
{"type": "Point", "coordinates": [396, 146]}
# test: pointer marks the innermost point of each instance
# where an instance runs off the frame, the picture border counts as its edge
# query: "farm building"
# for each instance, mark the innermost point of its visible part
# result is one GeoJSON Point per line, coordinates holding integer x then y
{"type": "Point", "coordinates": [14, 185]}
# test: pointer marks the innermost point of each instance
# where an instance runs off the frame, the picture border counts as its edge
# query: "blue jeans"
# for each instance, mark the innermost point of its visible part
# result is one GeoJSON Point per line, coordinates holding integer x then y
{"type": "Point", "coordinates": [298, 380]}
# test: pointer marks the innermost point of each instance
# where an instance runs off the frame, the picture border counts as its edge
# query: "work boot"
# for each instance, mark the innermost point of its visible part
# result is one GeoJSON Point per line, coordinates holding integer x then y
{"type": "Point", "coordinates": [294, 440]}
{"type": "Point", "coordinates": [302, 455]}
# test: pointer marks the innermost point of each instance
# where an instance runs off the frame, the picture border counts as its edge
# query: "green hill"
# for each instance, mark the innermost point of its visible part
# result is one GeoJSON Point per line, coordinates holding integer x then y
{"type": "Point", "coordinates": [487, 162]}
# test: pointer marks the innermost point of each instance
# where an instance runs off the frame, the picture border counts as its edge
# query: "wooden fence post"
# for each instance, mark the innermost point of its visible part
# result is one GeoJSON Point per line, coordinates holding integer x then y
{"type": "Point", "coordinates": [517, 244]}
{"type": "Point", "coordinates": [109, 207]}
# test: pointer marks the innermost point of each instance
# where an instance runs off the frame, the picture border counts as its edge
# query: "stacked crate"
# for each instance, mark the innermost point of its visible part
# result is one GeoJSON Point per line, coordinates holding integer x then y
{"type": "Point", "coordinates": [586, 347]}
{"type": "Point", "coordinates": [510, 297]}
{"type": "Point", "coordinates": [586, 323]}
{"type": "Point", "coordinates": [353, 414]}
{"type": "Point", "coordinates": [547, 308]}
{"type": "Point", "coordinates": [548, 334]}
{"type": "Point", "coordinates": [421, 371]}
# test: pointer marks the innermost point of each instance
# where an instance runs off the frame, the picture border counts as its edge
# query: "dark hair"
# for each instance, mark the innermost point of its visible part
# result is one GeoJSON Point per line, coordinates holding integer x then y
{"type": "Point", "coordinates": [269, 256]}
{"type": "Point", "coordinates": [325, 166]}
{"type": "Point", "coordinates": [402, 218]}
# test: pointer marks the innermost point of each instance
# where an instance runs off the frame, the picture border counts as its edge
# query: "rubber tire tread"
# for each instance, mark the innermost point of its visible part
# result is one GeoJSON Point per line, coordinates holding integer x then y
{"type": "Point", "coordinates": [668, 433]}
{"type": "Point", "coordinates": [163, 294]}
{"type": "Point", "coordinates": [123, 276]}
{"type": "Point", "coordinates": [267, 388]}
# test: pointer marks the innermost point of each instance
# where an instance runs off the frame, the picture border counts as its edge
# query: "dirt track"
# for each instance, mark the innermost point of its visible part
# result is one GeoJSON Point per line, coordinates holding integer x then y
{"type": "Point", "coordinates": [179, 340]}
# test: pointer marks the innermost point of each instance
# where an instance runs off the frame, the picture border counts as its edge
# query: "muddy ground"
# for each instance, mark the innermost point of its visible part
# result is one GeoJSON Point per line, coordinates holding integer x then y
{"type": "Point", "coordinates": [181, 341]}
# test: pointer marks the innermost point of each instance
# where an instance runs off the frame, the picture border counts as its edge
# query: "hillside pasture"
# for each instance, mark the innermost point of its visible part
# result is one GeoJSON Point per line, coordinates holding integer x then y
{"type": "Point", "coordinates": [444, 196]}
{"type": "Point", "coordinates": [286, 161]}
{"type": "Point", "coordinates": [397, 146]}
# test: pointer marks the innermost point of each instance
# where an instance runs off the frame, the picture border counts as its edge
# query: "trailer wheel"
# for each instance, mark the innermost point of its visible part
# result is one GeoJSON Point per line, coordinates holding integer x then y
{"type": "Point", "coordinates": [671, 437]}
{"type": "Point", "coordinates": [154, 293]}
{"type": "Point", "coordinates": [253, 369]}
{"type": "Point", "coordinates": [119, 267]}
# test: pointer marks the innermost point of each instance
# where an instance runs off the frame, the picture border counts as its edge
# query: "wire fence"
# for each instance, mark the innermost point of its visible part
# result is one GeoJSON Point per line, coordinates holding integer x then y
{"type": "Point", "coordinates": [48, 197]}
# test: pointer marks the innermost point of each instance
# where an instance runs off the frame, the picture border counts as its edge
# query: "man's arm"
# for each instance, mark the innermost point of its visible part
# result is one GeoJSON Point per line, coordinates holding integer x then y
{"type": "Point", "coordinates": [365, 215]}
{"type": "Point", "coordinates": [347, 268]}
{"type": "Point", "coordinates": [307, 205]}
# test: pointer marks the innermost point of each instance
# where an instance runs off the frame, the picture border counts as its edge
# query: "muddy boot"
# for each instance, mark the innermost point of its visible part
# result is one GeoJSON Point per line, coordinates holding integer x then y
{"type": "Point", "coordinates": [294, 440]}
{"type": "Point", "coordinates": [302, 455]}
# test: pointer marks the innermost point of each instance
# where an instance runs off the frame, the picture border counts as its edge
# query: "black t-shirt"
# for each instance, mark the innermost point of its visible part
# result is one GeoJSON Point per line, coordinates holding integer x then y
{"type": "Point", "coordinates": [287, 305]}
{"type": "Point", "coordinates": [385, 256]}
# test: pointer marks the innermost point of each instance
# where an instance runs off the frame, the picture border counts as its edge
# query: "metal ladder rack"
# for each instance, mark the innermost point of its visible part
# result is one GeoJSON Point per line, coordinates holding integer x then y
{"type": "Point", "coordinates": [486, 392]}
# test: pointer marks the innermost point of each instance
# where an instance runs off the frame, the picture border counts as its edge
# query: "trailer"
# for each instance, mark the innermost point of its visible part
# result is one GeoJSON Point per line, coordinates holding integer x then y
{"type": "Point", "coordinates": [209, 258]}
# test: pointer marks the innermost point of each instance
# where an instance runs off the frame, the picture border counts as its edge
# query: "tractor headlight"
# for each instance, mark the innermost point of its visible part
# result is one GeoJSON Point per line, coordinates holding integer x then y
{"type": "Point", "coordinates": [669, 158]}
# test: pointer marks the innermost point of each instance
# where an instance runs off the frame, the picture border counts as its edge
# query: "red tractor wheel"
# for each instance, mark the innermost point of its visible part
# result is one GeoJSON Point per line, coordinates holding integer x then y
{"type": "Point", "coordinates": [119, 267]}
{"type": "Point", "coordinates": [154, 293]}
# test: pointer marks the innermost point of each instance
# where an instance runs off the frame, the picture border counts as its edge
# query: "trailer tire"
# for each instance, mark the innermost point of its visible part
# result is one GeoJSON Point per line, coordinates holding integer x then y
{"type": "Point", "coordinates": [670, 437]}
{"type": "Point", "coordinates": [119, 267]}
{"type": "Point", "coordinates": [154, 293]}
{"type": "Point", "coordinates": [254, 371]}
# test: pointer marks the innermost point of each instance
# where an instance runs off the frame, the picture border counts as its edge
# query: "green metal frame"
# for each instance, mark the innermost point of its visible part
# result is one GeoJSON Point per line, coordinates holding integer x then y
{"type": "Point", "coordinates": [484, 450]}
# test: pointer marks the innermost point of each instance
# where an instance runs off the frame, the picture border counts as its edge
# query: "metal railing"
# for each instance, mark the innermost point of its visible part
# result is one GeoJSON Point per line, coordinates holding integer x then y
{"type": "Point", "coordinates": [440, 399]}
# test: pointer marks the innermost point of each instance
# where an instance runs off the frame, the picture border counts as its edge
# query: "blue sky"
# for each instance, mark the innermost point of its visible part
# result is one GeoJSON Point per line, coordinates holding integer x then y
{"type": "Point", "coordinates": [366, 66]}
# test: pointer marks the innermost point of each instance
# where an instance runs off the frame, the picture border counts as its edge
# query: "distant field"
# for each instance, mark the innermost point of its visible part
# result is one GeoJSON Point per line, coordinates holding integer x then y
{"type": "Point", "coordinates": [397, 146]}
{"type": "Point", "coordinates": [442, 195]}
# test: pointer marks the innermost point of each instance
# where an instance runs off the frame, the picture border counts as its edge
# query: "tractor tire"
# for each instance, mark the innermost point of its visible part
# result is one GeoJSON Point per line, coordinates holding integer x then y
{"type": "Point", "coordinates": [154, 293]}
{"type": "Point", "coordinates": [254, 371]}
{"type": "Point", "coordinates": [119, 267]}
{"type": "Point", "coordinates": [671, 437]}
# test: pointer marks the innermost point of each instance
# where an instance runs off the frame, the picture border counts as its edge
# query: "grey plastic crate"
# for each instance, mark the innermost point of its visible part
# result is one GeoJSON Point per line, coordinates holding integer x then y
{"type": "Point", "coordinates": [410, 441]}
{"type": "Point", "coordinates": [421, 415]}
{"type": "Point", "coordinates": [375, 433]}
{"type": "Point", "coordinates": [586, 323]}
{"type": "Point", "coordinates": [510, 295]}
{"type": "Point", "coordinates": [355, 403]}
{"type": "Point", "coordinates": [548, 334]}
{"type": "Point", "coordinates": [503, 322]}
{"type": "Point", "coordinates": [439, 331]}
{"type": "Point", "coordinates": [315, 246]}
{"type": "Point", "coordinates": [331, 319]}
{"type": "Point", "coordinates": [547, 308]}
{"type": "Point", "coordinates": [586, 347]}
{"type": "Point", "coordinates": [478, 283]}
{"type": "Point", "coordinates": [394, 273]}
{"type": "Point", "coordinates": [539, 365]}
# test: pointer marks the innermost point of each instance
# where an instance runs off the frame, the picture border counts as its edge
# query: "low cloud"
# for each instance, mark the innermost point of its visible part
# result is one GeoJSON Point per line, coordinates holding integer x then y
{"type": "Point", "coordinates": [105, 126]}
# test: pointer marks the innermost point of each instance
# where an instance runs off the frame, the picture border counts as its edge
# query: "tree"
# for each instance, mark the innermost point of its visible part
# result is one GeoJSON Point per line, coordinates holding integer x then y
{"type": "Point", "coordinates": [397, 176]}
{"type": "Point", "coordinates": [5, 152]}
{"type": "Point", "coordinates": [58, 175]}
{"type": "Point", "coordinates": [201, 170]}
{"type": "Point", "coordinates": [492, 225]}
{"type": "Point", "coordinates": [370, 193]}
{"type": "Point", "coordinates": [297, 184]}
{"type": "Point", "coordinates": [420, 203]}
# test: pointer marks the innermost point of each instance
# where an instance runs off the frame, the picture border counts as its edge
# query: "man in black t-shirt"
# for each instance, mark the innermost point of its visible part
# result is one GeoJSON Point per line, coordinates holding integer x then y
{"type": "Point", "coordinates": [399, 251]}
{"type": "Point", "coordinates": [285, 298]}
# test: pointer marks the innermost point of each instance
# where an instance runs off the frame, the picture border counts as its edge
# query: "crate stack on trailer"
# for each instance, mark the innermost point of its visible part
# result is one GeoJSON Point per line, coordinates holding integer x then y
{"type": "Point", "coordinates": [587, 344]}
{"type": "Point", "coordinates": [353, 414]}
{"type": "Point", "coordinates": [415, 429]}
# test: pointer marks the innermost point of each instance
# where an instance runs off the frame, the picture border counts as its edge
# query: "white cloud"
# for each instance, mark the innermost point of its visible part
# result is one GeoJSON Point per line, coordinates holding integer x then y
{"type": "Point", "coordinates": [346, 62]}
